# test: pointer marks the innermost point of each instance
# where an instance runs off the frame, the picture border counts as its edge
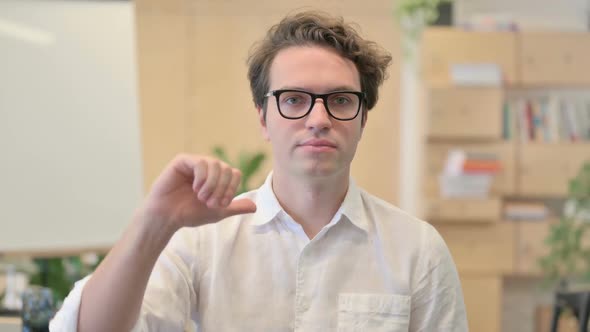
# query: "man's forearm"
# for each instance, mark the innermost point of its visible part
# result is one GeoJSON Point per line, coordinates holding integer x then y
{"type": "Point", "coordinates": [111, 300]}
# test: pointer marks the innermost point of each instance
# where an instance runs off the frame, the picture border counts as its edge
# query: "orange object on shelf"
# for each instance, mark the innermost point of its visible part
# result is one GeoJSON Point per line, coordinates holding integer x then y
{"type": "Point", "coordinates": [474, 166]}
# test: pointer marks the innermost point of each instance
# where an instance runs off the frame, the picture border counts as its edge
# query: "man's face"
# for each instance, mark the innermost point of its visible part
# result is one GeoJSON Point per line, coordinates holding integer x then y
{"type": "Point", "coordinates": [316, 145]}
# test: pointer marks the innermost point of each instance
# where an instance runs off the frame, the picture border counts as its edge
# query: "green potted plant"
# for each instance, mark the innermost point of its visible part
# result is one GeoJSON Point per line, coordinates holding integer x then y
{"type": "Point", "coordinates": [60, 273]}
{"type": "Point", "coordinates": [421, 12]}
{"type": "Point", "coordinates": [568, 261]}
{"type": "Point", "coordinates": [413, 16]}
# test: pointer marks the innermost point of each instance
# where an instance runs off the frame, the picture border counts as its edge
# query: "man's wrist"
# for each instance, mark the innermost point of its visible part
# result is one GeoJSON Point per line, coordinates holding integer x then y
{"type": "Point", "coordinates": [152, 232]}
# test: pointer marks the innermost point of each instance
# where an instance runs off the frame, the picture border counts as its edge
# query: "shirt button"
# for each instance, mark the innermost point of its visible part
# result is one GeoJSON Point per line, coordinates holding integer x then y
{"type": "Point", "coordinates": [304, 306]}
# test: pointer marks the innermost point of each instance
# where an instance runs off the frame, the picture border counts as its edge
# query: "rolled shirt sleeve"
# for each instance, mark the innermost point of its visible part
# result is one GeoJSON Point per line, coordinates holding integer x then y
{"type": "Point", "coordinates": [66, 319]}
{"type": "Point", "coordinates": [171, 282]}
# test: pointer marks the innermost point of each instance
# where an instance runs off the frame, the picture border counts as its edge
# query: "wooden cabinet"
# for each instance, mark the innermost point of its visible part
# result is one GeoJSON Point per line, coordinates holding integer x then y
{"type": "Point", "coordinates": [436, 154]}
{"type": "Point", "coordinates": [465, 113]}
{"type": "Point", "coordinates": [443, 47]}
{"type": "Point", "coordinates": [471, 119]}
{"type": "Point", "coordinates": [554, 58]}
{"type": "Point", "coordinates": [525, 58]}
{"type": "Point", "coordinates": [529, 246]}
{"type": "Point", "coordinates": [487, 248]}
{"type": "Point", "coordinates": [545, 169]}
{"type": "Point", "coordinates": [483, 302]}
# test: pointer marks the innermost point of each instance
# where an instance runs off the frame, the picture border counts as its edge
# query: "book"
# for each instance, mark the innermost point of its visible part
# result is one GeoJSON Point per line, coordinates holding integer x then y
{"type": "Point", "coordinates": [571, 119]}
{"type": "Point", "coordinates": [525, 211]}
{"type": "Point", "coordinates": [530, 120]}
{"type": "Point", "coordinates": [564, 129]}
{"type": "Point", "coordinates": [553, 119]}
{"type": "Point", "coordinates": [506, 121]}
{"type": "Point", "coordinates": [523, 125]}
{"type": "Point", "coordinates": [473, 166]}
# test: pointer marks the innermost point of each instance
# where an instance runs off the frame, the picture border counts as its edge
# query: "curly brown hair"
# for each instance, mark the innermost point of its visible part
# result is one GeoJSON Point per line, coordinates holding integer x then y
{"type": "Point", "coordinates": [320, 29]}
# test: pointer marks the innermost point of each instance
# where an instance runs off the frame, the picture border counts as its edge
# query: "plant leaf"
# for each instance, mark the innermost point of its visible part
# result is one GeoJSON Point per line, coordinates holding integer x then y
{"type": "Point", "coordinates": [220, 153]}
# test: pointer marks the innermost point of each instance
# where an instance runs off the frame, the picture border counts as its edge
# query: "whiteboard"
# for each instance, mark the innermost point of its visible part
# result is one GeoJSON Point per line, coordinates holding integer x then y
{"type": "Point", "coordinates": [70, 162]}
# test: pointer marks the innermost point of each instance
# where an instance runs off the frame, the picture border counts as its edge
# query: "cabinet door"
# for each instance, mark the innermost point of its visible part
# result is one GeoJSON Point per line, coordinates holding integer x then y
{"type": "Point", "coordinates": [442, 47]}
{"type": "Point", "coordinates": [483, 302]}
{"type": "Point", "coordinates": [554, 58]}
{"type": "Point", "coordinates": [530, 246]}
{"type": "Point", "coordinates": [436, 155]}
{"type": "Point", "coordinates": [472, 113]}
{"type": "Point", "coordinates": [485, 248]}
{"type": "Point", "coordinates": [545, 169]}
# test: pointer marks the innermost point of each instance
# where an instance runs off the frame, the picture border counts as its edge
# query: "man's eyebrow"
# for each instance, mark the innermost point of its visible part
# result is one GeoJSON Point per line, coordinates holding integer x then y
{"type": "Point", "coordinates": [292, 87]}
{"type": "Point", "coordinates": [338, 88]}
{"type": "Point", "coordinates": [343, 88]}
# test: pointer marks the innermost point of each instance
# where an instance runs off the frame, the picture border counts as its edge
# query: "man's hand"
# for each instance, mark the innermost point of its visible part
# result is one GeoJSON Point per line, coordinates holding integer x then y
{"type": "Point", "coordinates": [195, 190]}
{"type": "Point", "coordinates": [190, 191]}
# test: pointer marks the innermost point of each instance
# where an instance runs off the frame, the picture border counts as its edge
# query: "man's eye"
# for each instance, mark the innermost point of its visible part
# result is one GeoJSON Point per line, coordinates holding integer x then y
{"type": "Point", "coordinates": [293, 100]}
{"type": "Point", "coordinates": [340, 100]}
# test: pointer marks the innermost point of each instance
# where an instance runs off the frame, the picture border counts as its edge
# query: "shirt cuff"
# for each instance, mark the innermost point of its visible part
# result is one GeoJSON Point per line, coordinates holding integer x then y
{"type": "Point", "coordinates": [66, 319]}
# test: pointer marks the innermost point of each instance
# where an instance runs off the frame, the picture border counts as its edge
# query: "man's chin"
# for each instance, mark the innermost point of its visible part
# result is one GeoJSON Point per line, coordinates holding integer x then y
{"type": "Point", "coordinates": [319, 169]}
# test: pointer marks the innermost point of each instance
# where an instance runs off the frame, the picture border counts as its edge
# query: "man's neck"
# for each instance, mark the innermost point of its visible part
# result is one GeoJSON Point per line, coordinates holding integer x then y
{"type": "Point", "coordinates": [311, 202]}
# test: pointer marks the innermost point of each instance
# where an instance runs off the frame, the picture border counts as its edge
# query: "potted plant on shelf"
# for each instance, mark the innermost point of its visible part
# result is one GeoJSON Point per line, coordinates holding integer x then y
{"type": "Point", "coordinates": [567, 264]}
{"type": "Point", "coordinates": [413, 16]}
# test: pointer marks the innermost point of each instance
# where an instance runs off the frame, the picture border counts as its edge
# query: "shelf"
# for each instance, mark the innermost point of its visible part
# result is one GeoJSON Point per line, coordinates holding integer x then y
{"type": "Point", "coordinates": [472, 211]}
{"type": "Point", "coordinates": [436, 155]}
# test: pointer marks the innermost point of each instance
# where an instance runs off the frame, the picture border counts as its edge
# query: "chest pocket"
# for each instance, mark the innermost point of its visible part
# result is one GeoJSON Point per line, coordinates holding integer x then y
{"type": "Point", "coordinates": [373, 312]}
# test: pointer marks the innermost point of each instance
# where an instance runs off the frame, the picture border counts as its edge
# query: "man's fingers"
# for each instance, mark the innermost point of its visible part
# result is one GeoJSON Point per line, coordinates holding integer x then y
{"type": "Point", "coordinates": [239, 206]}
{"type": "Point", "coordinates": [213, 170]}
{"type": "Point", "coordinates": [232, 188]}
{"type": "Point", "coordinates": [216, 199]}
{"type": "Point", "coordinates": [199, 174]}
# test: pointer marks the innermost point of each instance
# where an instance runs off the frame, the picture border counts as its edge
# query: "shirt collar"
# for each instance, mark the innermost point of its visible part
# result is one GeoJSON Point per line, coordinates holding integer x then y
{"type": "Point", "coordinates": [352, 206]}
{"type": "Point", "coordinates": [268, 207]}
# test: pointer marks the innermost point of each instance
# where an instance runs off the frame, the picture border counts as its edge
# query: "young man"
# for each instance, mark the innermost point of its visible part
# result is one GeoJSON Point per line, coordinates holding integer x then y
{"type": "Point", "coordinates": [309, 250]}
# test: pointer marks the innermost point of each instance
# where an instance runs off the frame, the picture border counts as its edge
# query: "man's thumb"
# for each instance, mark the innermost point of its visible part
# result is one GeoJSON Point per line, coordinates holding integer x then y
{"type": "Point", "coordinates": [240, 206]}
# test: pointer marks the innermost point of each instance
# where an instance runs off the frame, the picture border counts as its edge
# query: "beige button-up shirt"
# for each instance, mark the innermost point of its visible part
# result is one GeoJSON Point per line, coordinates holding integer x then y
{"type": "Point", "coordinates": [372, 268]}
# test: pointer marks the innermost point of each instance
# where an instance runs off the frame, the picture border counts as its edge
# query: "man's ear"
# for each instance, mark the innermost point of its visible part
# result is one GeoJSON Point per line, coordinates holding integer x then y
{"type": "Point", "coordinates": [365, 117]}
{"type": "Point", "coordinates": [262, 120]}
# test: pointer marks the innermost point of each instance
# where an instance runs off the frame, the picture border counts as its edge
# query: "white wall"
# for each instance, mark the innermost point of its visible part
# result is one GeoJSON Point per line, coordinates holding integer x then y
{"type": "Point", "coordinates": [70, 166]}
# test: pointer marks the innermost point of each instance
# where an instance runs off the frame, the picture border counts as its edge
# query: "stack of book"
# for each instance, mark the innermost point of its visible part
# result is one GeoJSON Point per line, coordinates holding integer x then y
{"type": "Point", "coordinates": [525, 211]}
{"type": "Point", "coordinates": [468, 174]}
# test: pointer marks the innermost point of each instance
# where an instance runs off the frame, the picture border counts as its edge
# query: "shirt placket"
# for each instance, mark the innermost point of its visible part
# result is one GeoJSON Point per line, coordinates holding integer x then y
{"type": "Point", "coordinates": [301, 294]}
{"type": "Point", "coordinates": [303, 283]}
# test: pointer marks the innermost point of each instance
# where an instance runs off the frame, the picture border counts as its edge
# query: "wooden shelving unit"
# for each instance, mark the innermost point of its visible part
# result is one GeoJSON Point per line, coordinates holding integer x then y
{"type": "Point", "coordinates": [485, 247]}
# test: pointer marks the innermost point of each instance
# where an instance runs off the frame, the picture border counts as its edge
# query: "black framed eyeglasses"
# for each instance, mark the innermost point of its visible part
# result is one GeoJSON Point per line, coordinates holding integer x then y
{"type": "Point", "coordinates": [296, 104]}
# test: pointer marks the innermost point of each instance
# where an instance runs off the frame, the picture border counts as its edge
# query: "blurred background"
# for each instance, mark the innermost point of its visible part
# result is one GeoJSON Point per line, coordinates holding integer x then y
{"type": "Point", "coordinates": [482, 129]}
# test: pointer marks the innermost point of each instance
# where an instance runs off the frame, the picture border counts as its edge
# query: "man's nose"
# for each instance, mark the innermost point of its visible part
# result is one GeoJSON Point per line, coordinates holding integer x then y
{"type": "Point", "coordinates": [318, 118]}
